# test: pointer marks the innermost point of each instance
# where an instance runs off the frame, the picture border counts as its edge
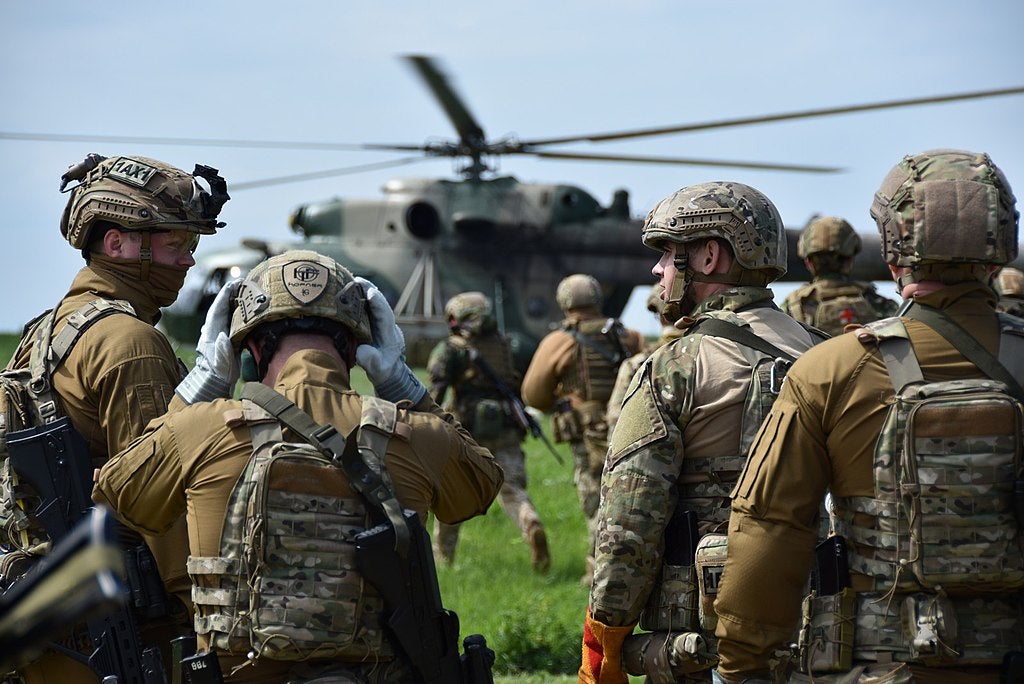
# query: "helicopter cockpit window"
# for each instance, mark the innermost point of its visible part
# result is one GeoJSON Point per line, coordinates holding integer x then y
{"type": "Point", "coordinates": [422, 220]}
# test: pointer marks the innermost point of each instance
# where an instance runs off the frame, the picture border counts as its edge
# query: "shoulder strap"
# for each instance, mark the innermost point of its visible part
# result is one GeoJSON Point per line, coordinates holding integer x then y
{"type": "Point", "coordinates": [966, 344]}
{"type": "Point", "coordinates": [377, 494]}
{"type": "Point", "coordinates": [610, 326]}
{"type": "Point", "coordinates": [716, 327]}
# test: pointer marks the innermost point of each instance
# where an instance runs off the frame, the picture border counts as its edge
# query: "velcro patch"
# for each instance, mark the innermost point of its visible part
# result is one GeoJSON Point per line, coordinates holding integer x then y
{"type": "Point", "coordinates": [132, 171]}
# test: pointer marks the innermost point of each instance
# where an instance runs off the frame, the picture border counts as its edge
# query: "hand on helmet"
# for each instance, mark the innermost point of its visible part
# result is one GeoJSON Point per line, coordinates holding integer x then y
{"type": "Point", "coordinates": [216, 369]}
{"type": "Point", "coordinates": [384, 358]}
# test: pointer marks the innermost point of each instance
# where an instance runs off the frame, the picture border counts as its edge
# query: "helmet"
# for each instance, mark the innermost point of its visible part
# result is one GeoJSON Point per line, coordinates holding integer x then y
{"type": "Point", "coordinates": [734, 212]}
{"type": "Point", "coordinates": [828, 234]}
{"type": "Point", "coordinates": [946, 207]}
{"type": "Point", "coordinates": [300, 285]}
{"type": "Point", "coordinates": [1010, 282]}
{"type": "Point", "coordinates": [578, 291]}
{"type": "Point", "coordinates": [139, 194]}
{"type": "Point", "coordinates": [470, 311]}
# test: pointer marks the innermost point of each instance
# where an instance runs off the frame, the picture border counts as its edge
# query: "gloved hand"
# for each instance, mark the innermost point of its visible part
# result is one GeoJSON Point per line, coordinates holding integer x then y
{"type": "Point", "coordinates": [602, 652]}
{"type": "Point", "coordinates": [216, 370]}
{"type": "Point", "coordinates": [384, 358]}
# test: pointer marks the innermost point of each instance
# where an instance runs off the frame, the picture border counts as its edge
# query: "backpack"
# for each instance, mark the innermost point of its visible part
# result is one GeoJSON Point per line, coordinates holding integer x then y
{"type": "Point", "coordinates": [31, 417]}
{"type": "Point", "coordinates": [948, 461]}
{"type": "Point", "coordinates": [285, 584]}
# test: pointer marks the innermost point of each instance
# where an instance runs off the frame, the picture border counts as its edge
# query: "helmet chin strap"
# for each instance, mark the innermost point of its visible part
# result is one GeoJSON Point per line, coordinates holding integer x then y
{"type": "Point", "coordinates": [145, 254]}
{"type": "Point", "coordinates": [680, 283]}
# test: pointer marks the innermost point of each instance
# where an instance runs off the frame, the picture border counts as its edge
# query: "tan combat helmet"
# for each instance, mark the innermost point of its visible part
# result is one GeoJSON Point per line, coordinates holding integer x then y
{"type": "Point", "coordinates": [1009, 282]}
{"type": "Point", "coordinates": [828, 234]}
{"type": "Point", "coordinates": [579, 291]}
{"type": "Point", "coordinates": [470, 312]}
{"type": "Point", "coordinates": [302, 288]}
{"type": "Point", "coordinates": [138, 193]}
{"type": "Point", "coordinates": [946, 214]}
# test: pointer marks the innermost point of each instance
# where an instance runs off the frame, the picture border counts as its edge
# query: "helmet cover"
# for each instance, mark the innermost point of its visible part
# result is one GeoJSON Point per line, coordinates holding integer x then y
{"type": "Point", "coordinates": [828, 234]}
{"type": "Point", "coordinates": [578, 291]}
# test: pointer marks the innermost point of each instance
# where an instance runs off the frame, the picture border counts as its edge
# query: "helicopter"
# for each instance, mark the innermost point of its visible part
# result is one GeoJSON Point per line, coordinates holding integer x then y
{"type": "Point", "coordinates": [427, 239]}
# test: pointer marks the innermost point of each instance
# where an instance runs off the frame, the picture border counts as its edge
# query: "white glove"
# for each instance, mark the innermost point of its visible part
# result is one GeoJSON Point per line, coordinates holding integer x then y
{"type": "Point", "coordinates": [384, 358]}
{"type": "Point", "coordinates": [216, 370]}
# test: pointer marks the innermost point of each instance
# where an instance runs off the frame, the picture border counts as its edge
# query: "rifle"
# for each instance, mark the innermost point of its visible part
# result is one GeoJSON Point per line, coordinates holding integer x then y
{"type": "Point", "coordinates": [519, 413]}
{"type": "Point", "coordinates": [54, 460]}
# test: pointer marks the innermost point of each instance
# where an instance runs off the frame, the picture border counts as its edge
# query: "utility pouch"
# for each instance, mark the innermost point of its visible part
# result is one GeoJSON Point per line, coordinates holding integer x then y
{"type": "Point", "coordinates": [827, 632]}
{"type": "Point", "coordinates": [672, 605]}
{"type": "Point", "coordinates": [488, 418]}
{"type": "Point", "coordinates": [565, 424]}
{"type": "Point", "coordinates": [930, 626]}
{"type": "Point", "coordinates": [710, 562]}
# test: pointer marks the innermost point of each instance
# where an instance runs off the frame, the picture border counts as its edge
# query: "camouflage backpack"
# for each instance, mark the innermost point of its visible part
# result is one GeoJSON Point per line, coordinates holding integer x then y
{"type": "Point", "coordinates": [31, 414]}
{"type": "Point", "coordinates": [832, 305]}
{"type": "Point", "coordinates": [284, 585]}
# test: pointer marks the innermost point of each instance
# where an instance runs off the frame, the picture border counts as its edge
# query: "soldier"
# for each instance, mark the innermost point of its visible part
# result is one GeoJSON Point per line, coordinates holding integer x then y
{"type": "Point", "coordinates": [137, 222]}
{"type": "Point", "coordinates": [832, 300]}
{"type": "Point", "coordinates": [572, 373]}
{"type": "Point", "coordinates": [299, 322]}
{"type": "Point", "coordinates": [911, 589]}
{"type": "Point", "coordinates": [1009, 284]}
{"type": "Point", "coordinates": [669, 332]}
{"type": "Point", "coordinates": [476, 363]}
{"type": "Point", "coordinates": [690, 412]}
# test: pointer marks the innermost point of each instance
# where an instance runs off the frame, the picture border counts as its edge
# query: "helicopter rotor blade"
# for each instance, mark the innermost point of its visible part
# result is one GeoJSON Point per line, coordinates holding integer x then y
{"type": "Point", "coordinates": [806, 114]}
{"type": "Point", "coordinates": [470, 132]}
{"type": "Point", "coordinates": [686, 161]}
{"type": "Point", "coordinates": [188, 142]}
{"type": "Point", "coordinates": [329, 173]}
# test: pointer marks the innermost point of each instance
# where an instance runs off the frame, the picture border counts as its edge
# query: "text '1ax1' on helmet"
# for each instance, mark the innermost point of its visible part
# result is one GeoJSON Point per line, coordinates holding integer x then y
{"type": "Point", "coordinates": [471, 312]}
{"type": "Point", "coordinates": [946, 207]}
{"type": "Point", "coordinates": [579, 291]}
{"type": "Point", "coordinates": [734, 212]}
{"type": "Point", "coordinates": [298, 285]}
{"type": "Point", "coordinates": [828, 234]}
{"type": "Point", "coordinates": [139, 193]}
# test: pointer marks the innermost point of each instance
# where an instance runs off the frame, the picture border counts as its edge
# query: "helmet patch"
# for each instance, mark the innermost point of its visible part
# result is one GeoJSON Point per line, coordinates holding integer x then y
{"type": "Point", "coordinates": [304, 280]}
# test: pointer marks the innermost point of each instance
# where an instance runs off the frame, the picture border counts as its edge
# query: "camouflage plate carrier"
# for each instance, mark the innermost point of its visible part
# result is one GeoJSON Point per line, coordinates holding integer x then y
{"type": "Point", "coordinates": [285, 585]}
{"type": "Point", "coordinates": [831, 305]}
{"type": "Point", "coordinates": [945, 548]}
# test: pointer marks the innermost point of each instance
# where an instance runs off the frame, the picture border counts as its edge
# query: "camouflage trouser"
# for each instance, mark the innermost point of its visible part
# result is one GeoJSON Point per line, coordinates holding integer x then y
{"type": "Point", "coordinates": [512, 497]}
{"type": "Point", "coordinates": [588, 457]}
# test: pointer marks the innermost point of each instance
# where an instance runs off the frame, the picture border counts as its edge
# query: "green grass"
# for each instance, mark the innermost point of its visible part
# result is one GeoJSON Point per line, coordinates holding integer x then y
{"type": "Point", "coordinates": [533, 622]}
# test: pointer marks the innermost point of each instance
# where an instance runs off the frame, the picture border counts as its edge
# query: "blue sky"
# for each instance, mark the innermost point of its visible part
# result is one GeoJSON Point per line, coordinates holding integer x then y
{"type": "Point", "coordinates": [328, 71]}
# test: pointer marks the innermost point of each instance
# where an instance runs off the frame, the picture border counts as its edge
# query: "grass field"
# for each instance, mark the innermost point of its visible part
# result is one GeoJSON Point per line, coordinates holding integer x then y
{"type": "Point", "coordinates": [533, 622]}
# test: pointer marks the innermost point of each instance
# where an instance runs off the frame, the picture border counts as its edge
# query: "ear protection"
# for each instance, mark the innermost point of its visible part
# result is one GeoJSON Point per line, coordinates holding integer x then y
{"type": "Point", "coordinates": [247, 367]}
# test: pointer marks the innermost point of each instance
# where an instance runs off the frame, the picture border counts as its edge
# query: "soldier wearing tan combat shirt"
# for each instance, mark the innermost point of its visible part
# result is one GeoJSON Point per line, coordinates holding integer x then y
{"type": "Point", "coordinates": [571, 376]}
{"type": "Point", "coordinates": [137, 222]}
{"type": "Point", "coordinates": [680, 441]}
{"type": "Point", "coordinates": [189, 460]}
{"type": "Point", "coordinates": [948, 221]}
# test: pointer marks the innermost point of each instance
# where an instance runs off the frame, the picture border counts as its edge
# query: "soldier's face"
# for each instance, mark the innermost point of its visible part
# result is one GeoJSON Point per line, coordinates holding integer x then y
{"type": "Point", "coordinates": [170, 247]}
{"type": "Point", "coordinates": [665, 269]}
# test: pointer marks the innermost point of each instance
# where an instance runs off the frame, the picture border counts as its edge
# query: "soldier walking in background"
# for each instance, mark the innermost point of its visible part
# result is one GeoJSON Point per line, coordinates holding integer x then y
{"type": "Point", "coordinates": [303, 321]}
{"type": "Point", "coordinates": [913, 424]}
{"type": "Point", "coordinates": [832, 300]}
{"type": "Point", "coordinates": [137, 222]}
{"type": "Point", "coordinates": [1009, 283]}
{"type": "Point", "coordinates": [475, 363]}
{"type": "Point", "coordinates": [690, 413]}
{"type": "Point", "coordinates": [572, 374]}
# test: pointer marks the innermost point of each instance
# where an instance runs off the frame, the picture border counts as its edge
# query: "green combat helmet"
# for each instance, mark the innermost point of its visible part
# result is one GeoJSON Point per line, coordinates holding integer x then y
{"type": "Point", "coordinates": [579, 291]}
{"type": "Point", "coordinates": [946, 214]}
{"type": "Point", "coordinates": [303, 289]}
{"type": "Point", "coordinates": [734, 212]}
{"type": "Point", "coordinates": [470, 312]}
{"type": "Point", "coordinates": [138, 193]}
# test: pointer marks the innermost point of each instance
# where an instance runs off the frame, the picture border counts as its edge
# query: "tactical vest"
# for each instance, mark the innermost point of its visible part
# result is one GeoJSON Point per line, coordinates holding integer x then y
{"type": "Point", "coordinates": [28, 401]}
{"type": "Point", "coordinates": [600, 348]}
{"type": "Point", "coordinates": [940, 536]}
{"type": "Point", "coordinates": [479, 405]}
{"type": "Point", "coordinates": [285, 584]}
{"type": "Point", "coordinates": [831, 305]}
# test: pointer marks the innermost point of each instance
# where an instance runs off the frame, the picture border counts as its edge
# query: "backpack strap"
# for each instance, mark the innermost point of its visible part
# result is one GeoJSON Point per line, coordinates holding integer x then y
{"type": "Point", "coordinates": [376, 492]}
{"type": "Point", "coordinates": [716, 327]}
{"type": "Point", "coordinates": [966, 344]}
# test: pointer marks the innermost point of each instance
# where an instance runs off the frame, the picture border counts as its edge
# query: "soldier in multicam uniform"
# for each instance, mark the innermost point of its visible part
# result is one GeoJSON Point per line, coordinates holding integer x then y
{"type": "Point", "coordinates": [465, 362]}
{"type": "Point", "coordinates": [572, 373]}
{"type": "Point", "coordinates": [303, 341]}
{"type": "Point", "coordinates": [679, 444]}
{"type": "Point", "coordinates": [669, 332]}
{"type": "Point", "coordinates": [948, 221]}
{"type": "Point", "coordinates": [832, 300]}
{"type": "Point", "coordinates": [137, 222]}
{"type": "Point", "coordinates": [1009, 284]}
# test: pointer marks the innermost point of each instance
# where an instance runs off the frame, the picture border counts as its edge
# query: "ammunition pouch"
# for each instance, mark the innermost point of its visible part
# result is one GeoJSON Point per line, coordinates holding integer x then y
{"type": "Point", "coordinates": [710, 562]}
{"type": "Point", "coordinates": [565, 423]}
{"type": "Point", "coordinates": [673, 603]}
{"type": "Point", "coordinates": [826, 632]}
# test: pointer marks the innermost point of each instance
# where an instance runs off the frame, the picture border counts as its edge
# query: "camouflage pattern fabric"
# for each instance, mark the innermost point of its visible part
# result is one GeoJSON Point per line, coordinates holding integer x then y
{"type": "Point", "coordinates": [628, 368]}
{"type": "Point", "coordinates": [830, 304]}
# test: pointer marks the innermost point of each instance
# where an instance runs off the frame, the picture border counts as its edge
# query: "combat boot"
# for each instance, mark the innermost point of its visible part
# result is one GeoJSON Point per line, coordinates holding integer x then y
{"type": "Point", "coordinates": [539, 556]}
